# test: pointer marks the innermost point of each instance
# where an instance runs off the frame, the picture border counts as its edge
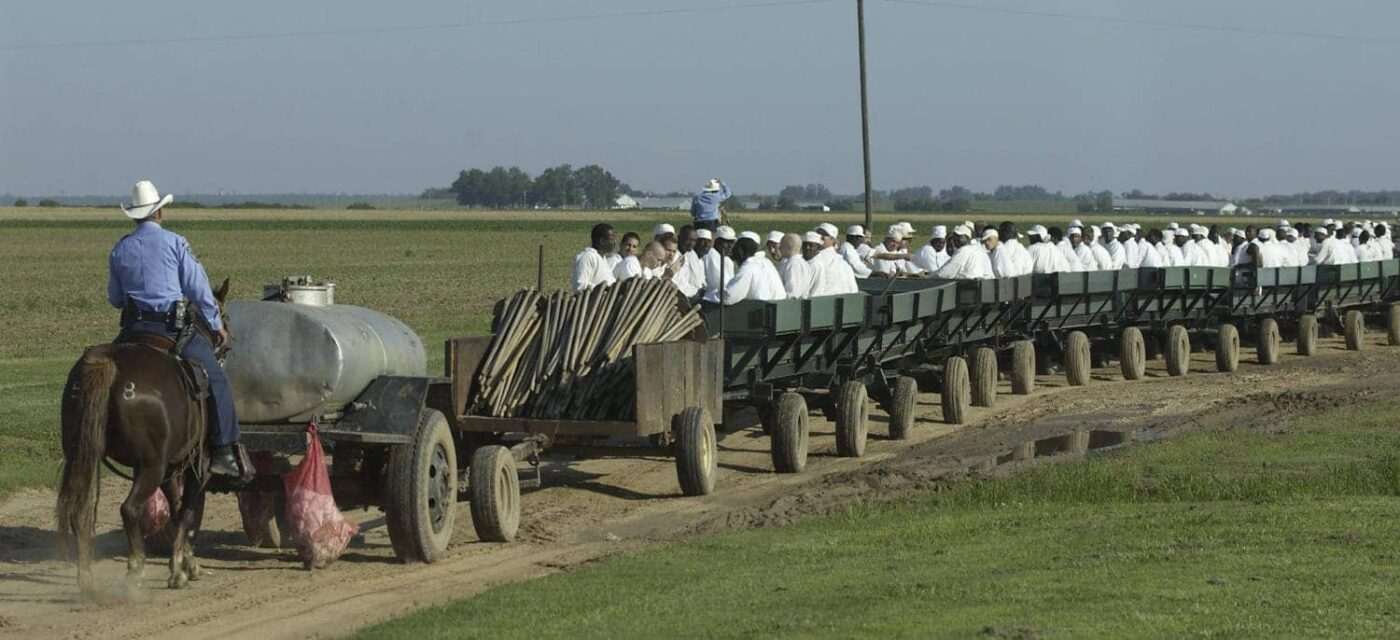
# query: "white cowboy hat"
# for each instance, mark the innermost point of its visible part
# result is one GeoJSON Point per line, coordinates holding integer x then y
{"type": "Point", "coordinates": [712, 185]}
{"type": "Point", "coordinates": [145, 201]}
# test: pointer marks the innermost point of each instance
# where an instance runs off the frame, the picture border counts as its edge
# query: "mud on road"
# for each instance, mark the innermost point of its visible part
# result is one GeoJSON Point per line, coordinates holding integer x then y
{"type": "Point", "coordinates": [593, 507]}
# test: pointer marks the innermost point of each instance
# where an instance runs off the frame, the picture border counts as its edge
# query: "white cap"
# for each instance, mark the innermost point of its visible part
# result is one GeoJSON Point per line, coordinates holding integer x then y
{"type": "Point", "coordinates": [812, 237]}
{"type": "Point", "coordinates": [1291, 232]}
{"type": "Point", "coordinates": [775, 236]}
{"type": "Point", "coordinates": [1039, 230]}
{"type": "Point", "coordinates": [1173, 226]}
{"type": "Point", "coordinates": [752, 236]}
{"type": "Point", "coordinates": [895, 231]}
{"type": "Point", "coordinates": [1329, 223]}
{"type": "Point", "coordinates": [725, 232]}
{"type": "Point", "coordinates": [704, 234]}
{"type": "Point", "coordinates": [661, 229]}
{"type": "Point", "coordinates": [1356, 232]}
{"type": "Point", "coordinates": [855, 230]}
{"type": "Point", "coordinates": [1076, 223]}
{"type": "Point", "coordinates": [1198, 230]}
{"type": "Point", "coordinates": [827, 229]}
{"type": "Point", "coordinates": [1282, 224]}
{"type": "Point", "coordinates": [962, 230]}
{"type": "Point", "coordinates": [990, 234]}
{"type": "Point", "coordinates": [712, 185]}
{"type": "Point", "coordinates": [940, 231]}
{"type": "Point", "coordinates": [1108, 225]}
{"type": "Point", "coordinates": [907, 228]}
{"type": "Point", "coordinates": [1075, 230]}
{"type": "Point", "coordinates": [1182, 233]}
{"type": "Point", "coordinates": [1265, 234]}
{"type": "Point", "coordinates": [1238, 233]}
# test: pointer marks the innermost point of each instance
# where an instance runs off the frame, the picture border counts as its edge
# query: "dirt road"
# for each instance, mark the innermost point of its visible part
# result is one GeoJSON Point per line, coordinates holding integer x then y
{"type": "Point", "coordinates": [595, 507]}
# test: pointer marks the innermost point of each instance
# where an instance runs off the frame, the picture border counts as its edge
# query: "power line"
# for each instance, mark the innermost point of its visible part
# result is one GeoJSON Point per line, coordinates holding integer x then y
{"type": "Point", "coordinates": [1160, 24]}
{"type": "Point", "coordinates": [363, 31]}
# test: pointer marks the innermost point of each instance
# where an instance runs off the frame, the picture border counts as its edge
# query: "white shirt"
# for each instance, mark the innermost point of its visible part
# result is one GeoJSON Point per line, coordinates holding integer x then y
{"type": "Point", "coordinates": [757, 279]}
{"type": "Point", "coordinates": [967, 264]}
{"type": "Point", "coordinates": [1071, 256]}
{"type": "Point", "coordinates": [1272, 254]}
{"type": "Point", "coordinates": [853, 257]}
{"type": "Point", "coordinates": [1085, 256]}
{"type": "Point", "coordinates": [1175, 255]}
{"type": "Point", "coordinates": [1103, 261]}
{"type": "Point", "coordinates": [796, 273]}
{"type": "Point", "coordinates": [1153, 258]}
{"type": "Point", "coordinates": [1117, 254]}
{"type": "Point", "coordinates": [930, 260]}
{"type": "Point", "coordinates": [627, 268]}
{"type": "Point", "coordinates": [831, 276]}
{"type": "Point", "coordinates": [1020, 257]}
{"type": "Point", "coordinates": [590, 270]}
{"type": "Point", "coordinates": [713, 274]}
{"type": "Point", "coordinates": [1047, 258]}
{"type": "Point", "coordinates": [690, 276]}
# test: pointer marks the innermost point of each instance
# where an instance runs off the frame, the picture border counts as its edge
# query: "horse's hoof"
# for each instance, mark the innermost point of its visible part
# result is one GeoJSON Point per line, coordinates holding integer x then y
{"type": "Point", "coordinates": [178, 580]}
{"type": "Point", "coordinates": [194, 574]}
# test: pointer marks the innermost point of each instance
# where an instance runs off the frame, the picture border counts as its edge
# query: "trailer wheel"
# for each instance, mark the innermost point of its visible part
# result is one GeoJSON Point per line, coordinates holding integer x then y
{"type": "Point", "coordinates": [906, 394]}
{"type": "Point", "coordinates": [1077, 358]}
{"type": "Point", "coordinates": [1268, 341]}
{"type": "Point", "coordinates": [1392, 324]}
{"type": "Point", "coordinates": [1132, 354]}
{"type": "Point", "coordinates": [957, 390]}
{"type": "Point", "coordinates": [697, 455]}
{"type": "Point", "coordinates": [1354, 327]}
{"type": "Point", "coordinates": [1178, 350]}
{"type": "Point", "coordinates": [1227, 348]}
{"type": "Point", "coordinates": [1307, 334]}
{"type": "Point", "coordinates": [420, 504]}
{"type": "Point", "coordinates": [984, 377]}
{"type": "Point", "coordinates": [495, 491]}
{"type": "Point", "coordinates": [788, 445]}
{"type": "Point", "coordinates": [1023, 367]}
{"type": "Point", "coordinates": [851, 420]}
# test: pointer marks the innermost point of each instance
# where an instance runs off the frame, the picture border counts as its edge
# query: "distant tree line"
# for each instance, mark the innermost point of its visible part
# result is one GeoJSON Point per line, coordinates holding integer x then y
{"type": "Point", "coordinates": [589, 186]}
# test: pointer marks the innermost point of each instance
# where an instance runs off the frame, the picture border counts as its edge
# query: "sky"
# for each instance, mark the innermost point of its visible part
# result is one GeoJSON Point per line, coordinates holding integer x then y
{"type": "Point", "coordinates": [373, 97]}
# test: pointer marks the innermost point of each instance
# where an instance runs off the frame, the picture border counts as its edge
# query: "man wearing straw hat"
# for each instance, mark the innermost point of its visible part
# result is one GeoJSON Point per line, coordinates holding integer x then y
{"type": "Point", "coordinates": [151, 272]}
{"type": "Point", "coordinates": [704, 206]}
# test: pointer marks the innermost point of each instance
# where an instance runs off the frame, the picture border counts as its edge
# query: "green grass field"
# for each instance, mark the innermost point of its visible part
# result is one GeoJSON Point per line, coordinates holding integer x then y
{"type": "Point", "coordinates": [439, 271]}
{"type": "Point", "coordinates": [1218, 534]}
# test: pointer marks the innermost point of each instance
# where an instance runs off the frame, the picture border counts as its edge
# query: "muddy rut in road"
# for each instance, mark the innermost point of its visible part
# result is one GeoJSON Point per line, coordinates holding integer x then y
{"type": "Point", "coordinates": [593, 507]}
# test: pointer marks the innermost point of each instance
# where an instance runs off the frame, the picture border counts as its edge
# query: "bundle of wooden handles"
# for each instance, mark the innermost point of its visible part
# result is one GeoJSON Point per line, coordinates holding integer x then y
{"type": "Point", "coordinates": [569, 355]}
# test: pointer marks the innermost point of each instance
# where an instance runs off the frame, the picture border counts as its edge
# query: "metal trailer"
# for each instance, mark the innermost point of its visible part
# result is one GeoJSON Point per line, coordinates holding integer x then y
{"type": "Point", "coordinates": [677, 395]}
{"type": "Point", "coordinates": [358, 374]}
{"type": "Point", "coordinates": [1345, 294]}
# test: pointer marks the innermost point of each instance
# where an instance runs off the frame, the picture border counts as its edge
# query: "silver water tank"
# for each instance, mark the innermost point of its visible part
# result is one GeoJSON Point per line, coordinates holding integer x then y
{"type": "Point", "coordinates": [291, 361]}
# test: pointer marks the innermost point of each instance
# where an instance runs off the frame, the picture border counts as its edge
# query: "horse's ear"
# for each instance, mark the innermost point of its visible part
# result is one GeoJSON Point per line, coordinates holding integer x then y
{"type": "Point", "coordinates": [222, 291]}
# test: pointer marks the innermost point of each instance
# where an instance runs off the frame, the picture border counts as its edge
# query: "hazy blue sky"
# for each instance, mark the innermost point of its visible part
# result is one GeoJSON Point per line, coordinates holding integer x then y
{"type": "Point", "coordinates": [759, 96]}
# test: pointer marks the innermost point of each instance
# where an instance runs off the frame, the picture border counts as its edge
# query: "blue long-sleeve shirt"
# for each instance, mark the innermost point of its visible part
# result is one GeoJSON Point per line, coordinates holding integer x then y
{"type": "Point", "coordinates": [156, 269]}
{"type": "Point", "coordinates": [704, 207]}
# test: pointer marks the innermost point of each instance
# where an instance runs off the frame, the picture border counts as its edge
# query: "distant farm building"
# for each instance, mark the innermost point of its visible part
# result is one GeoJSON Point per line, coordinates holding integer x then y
{"type": "Point", "coordinates": [666, 204]}
{"type": "Point", "coordinates": [625, 201]}
{"type": "Point", "coordinates": [1220, 207]}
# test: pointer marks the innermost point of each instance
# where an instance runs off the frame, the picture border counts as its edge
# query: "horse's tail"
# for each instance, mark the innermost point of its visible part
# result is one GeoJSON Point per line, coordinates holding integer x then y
{"type": "Point", "coordinates": [77, 493]}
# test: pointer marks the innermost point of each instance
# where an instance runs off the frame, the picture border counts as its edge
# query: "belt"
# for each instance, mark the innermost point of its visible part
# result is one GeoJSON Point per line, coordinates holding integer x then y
{"type": "Point", "coordinates": [141, 315]}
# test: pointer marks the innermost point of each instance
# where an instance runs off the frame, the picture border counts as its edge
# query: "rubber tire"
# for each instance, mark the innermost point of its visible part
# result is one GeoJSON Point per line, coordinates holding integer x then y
{"type": "Point", "coordinates": [697, 452]}
{"type": "Point", "coordinates": [1178, 351]}
{"type": "Point", "coordinates": [902, 407]}
{"type": "Point", "coordinates": [1392, 324]}
{"type": "Point", "coordinates": [1307, 334]}
{"type": "Point", "coordinates": [984, 377]}
{"type": "Point", "coordinates": [957, 390]}
{"type": "Point", "coordinates": [407, 508]}
{"type": "Point", "coordinates": [1023, 367]}
{"type": "Point", "coordinates": [1268, 347]}
{"type": "Point", "coordinates": [1354, 327]}
{"type": "Point", "coordinates": [1077, 358]}
{"type": "Point", "coordinates": [1227, 348]}
{"type": "Point", "coordinates": [788, 442]}
{"type": "Point", "coordinates": [495, 491]}
{"type": "Point", "coordinates": [852, 419]}
{"type": "Point", "coordinates": [1132, 354]}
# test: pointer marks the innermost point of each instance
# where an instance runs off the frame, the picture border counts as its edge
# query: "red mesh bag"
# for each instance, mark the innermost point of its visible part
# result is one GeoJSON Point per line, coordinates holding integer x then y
{"type": "Point", "coordinates": [155, 515]}
{"type": "Point", "coordinates": [318, 529]}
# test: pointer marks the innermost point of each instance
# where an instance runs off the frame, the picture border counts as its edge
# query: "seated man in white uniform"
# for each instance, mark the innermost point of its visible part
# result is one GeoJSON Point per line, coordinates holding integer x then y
{"type": "Point", "coordinates": [757, 278]}
{"type": "Point", "coordinates": [795, 271]}
{"type": "Point", "coordinates": [887, 261]}
{"type": "Point", "coordinates": [1045, 256]}
{"type": "Point", "coordinates": [718, 267]}
{"type": "Point", "coordinates": [831, 276]}
{"type": "Point", "coordinates": [966, 262]}
{"type": "Point", "coordinates": [933, 255]}
{"type": "Point", "coordinates": [591, 266]}
{"type": "Point", "coordinates": [854, 250]}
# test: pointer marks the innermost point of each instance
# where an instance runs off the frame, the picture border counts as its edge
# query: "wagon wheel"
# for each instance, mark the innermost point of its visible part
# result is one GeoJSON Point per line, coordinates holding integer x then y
{"type": "Point", "coordinates": [697, 456]}
{"type": "Point", "coordinates": [788, 446]}
{"type": "Point", "coordinates": [495, 494]}
{"type": "Point", "coordinates": [1392, 324]}
{"type": "Point", "coordinates": [902, 407]}
{"type": "Point", "coordinates": [984, 377]}
{"type": "Point", "coordinates": [852, 417]}
{"type": "Point", "coordinates": [1268, 341]}
{"type": "Point", "coordinates": [267, 530]}
{"type": "Point", "coordinates": [420, 503]}
{"type": "Point", "coordinates": [1132, 354]}
{"type": "Point", "coordinates": [1307, 335]}
{"type": "Point", "coordinates": [1023, 367]}
{"type": "Point", "coordinates": [1354, 327]}
{"type": "Point", "coordinates": [1227, 348]}
{"type": "Point", "coordinates": [957, 392]}
{"type": "Point", "coordinates": [1178, 350]}
{"type": "Point", "coordinates": [1077, 358]}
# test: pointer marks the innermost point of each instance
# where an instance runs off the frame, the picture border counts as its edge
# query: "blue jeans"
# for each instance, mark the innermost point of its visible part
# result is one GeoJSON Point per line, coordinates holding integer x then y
{"type": "Point", "coordinates": [223, 426]}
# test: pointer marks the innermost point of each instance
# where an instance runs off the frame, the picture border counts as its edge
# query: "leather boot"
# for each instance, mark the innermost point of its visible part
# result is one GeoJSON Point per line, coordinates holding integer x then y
{"type": "Point", "coordinates": [223, 462]}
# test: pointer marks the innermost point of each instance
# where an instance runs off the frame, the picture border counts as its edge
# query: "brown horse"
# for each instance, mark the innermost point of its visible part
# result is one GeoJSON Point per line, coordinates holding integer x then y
{"type": "Point", "coordinates": [128, 402]}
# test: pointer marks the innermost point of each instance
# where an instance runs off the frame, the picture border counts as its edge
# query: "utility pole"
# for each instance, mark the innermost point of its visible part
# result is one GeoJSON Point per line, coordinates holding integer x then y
{"type": "Point", "coordinates": [864, 113]}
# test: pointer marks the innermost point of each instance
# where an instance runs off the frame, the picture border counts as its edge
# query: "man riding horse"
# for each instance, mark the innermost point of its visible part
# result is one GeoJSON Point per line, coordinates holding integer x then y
{"type": "Point", "coordinates": [151, 273]}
